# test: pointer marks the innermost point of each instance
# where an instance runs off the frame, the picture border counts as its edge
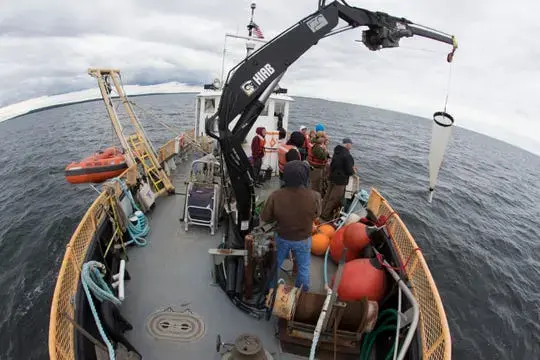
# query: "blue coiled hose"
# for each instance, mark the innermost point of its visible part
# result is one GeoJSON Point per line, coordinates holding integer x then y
{"type": "Point", "coordinates": [138, 230]}
{"type": "Point", "coordinates": [139, 227]}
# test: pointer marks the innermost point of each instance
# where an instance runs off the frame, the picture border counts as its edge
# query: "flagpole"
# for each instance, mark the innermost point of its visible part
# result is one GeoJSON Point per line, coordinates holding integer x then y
{"type": "Point", "coordinates": [223, 59]}
{"type": "Point", "coordinates": [250, 26]}
{"type": "Point", "coordinates": [250, 45]}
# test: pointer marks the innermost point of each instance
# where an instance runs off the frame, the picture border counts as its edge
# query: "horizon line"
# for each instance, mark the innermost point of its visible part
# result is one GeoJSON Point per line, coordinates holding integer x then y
{"type": "Point", "coordinates": [190, 89]}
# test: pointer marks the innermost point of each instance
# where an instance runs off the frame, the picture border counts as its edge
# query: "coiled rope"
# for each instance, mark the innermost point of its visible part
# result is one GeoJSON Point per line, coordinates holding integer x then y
{"type": "Point", "coordinates": [94, 284]}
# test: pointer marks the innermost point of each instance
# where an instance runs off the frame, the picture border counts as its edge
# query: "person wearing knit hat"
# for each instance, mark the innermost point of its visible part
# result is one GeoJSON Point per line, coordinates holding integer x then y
{"type": "Point", "coordinates": [341, 168]}
{"type": "Point", "coordinates": [319, 127]}
{"type": "Point", "coordinates": [294, 208]}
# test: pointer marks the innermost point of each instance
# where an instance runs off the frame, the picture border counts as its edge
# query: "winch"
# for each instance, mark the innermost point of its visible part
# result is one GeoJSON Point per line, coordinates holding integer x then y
{"type": "Point", "coordinates": [245, 347]}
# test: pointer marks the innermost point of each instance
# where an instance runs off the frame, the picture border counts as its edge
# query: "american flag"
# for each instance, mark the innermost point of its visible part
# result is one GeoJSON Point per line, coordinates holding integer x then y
{"type": "Point", "coordinates": [257, 31]}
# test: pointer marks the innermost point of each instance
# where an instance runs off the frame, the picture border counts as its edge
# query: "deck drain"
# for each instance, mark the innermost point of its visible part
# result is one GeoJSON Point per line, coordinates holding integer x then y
{"type": "Point", "coordinates": [175, 326]}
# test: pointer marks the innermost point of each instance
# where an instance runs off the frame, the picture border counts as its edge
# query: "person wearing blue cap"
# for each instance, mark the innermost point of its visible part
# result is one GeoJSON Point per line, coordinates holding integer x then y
{"type": "Point", "coordinates": [341, 168]}
{"type": "Point", "coordinates": [319, 127]}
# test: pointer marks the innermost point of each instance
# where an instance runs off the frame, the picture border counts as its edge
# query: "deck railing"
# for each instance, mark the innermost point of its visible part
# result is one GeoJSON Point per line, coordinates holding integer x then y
{"type": "Point", "coordinates": [169, 149]}
{"type": "Point", "coordinates": [434, 330]}
{"type": "Point", "coordinates": [61, 328]}
{"type": "Point", "coordinates": [433, 324]}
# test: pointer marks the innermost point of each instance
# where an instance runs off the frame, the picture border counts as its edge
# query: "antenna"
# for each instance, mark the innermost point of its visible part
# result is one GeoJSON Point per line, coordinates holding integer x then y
{"type": "Point", "coordinates": [250, 45]}
{"type": "Point", "coordinates": [250, 25]}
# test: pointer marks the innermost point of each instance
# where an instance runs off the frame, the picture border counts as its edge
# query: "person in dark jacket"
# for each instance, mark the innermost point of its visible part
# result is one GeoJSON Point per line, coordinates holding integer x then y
{"type": "Point", "coordinates": [341, 168]}
{"type": "Point", "coordinates": [297, 139]}
{"type": "Point", "coordinates": [257, 152]}
{"type": "Point", "coordinates": [289, 152]}
{"type": "Point", "coordinates": [294, 208]}
{"type": "Point", "coordinates": [282, 136]}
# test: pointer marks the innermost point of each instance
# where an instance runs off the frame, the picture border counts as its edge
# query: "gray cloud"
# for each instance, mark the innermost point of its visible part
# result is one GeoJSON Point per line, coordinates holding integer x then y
{"type": "Point", "coordinates": [46, 47]}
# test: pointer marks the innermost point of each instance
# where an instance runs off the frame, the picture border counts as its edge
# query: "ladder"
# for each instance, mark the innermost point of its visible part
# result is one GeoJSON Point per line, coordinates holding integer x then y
{"type": "Point", "coordinates": [137, 147]}
{"type": "Point", "coordinates": [150, 166]}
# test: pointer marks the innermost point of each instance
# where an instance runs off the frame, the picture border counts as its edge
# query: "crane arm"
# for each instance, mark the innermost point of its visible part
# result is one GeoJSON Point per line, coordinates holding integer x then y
{"type": "Point", "coordinates": [250, 83]}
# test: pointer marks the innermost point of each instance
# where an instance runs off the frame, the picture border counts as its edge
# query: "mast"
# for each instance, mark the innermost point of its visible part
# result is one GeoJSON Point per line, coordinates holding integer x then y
{"type": "Point", "coordinates": [250, 41]}
{"type": "Point", "coordinates": [250, 45]}
{"type": "Point", "coordinates": [105, 88]}
{"type": "Point", "coordinates": [138, 147]}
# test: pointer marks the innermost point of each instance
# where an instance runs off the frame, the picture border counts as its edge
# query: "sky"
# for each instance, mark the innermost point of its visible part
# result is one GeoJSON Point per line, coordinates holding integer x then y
{"type": "Point", "coordinates": [492, 85]}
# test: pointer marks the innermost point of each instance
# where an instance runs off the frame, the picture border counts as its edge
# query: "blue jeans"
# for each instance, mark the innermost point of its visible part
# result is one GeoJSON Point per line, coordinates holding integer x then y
{"type": "Point", "coordinates": [301, 250]}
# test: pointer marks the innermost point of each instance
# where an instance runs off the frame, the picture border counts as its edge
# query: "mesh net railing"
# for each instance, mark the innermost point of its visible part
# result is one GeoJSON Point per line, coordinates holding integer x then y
{"type": "Point", "coordinates": [61, 329]}
{"type": "Point", "coordinates": [434, 330]}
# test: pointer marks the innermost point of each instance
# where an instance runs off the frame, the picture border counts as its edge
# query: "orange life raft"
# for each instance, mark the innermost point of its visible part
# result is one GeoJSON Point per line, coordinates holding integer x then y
{"type": "Point", "coordinates": [97, 168]}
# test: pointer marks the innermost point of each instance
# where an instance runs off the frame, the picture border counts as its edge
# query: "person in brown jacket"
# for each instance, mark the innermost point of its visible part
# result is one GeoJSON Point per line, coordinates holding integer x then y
{"type": "Point", "coordinates": [294, 208]}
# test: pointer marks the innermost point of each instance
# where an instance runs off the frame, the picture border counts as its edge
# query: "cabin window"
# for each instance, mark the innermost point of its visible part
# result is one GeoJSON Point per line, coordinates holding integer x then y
{"type": "Point", "coordinates": [279, 108]}
{"type": "Point", "coordinates": [210, 105]}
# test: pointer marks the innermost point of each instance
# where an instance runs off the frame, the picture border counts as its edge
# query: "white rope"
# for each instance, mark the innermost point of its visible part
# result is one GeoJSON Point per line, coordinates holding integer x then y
{"type": "Point", "coordinates": [448, 86]}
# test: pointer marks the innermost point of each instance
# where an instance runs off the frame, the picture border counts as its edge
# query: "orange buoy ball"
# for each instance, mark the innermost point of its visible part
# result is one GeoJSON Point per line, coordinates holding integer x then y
{"type": "Point", "coordinates": [319, 244]}
{"type": "Point", "coordinates": [361, 278]}
{"type": "Point", "coordinates": [356, 236]}
{"type": "Point", "coordinates": [336, 248]}
{"type": "Point", "coordinates": [328, 230]}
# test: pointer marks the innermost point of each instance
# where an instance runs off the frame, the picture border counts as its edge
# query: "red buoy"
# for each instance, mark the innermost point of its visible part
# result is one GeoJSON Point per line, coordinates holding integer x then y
{"type": "Point", "coordinates": [356, 236]}
{"type": "Point", "coordinates": [336, 247]}
{"type": "Point", "coordinates": [361, 278]}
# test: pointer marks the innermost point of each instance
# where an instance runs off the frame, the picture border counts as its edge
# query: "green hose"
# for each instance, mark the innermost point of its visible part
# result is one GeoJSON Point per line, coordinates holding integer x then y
{"type": "Point", "coordinates": [259, 207]}
{"type": "Point", "coordinates": [382, 326]}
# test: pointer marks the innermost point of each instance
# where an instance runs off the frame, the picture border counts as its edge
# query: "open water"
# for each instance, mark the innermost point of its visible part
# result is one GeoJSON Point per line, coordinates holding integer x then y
{"type": "Point", "coordinates": [480, 235]}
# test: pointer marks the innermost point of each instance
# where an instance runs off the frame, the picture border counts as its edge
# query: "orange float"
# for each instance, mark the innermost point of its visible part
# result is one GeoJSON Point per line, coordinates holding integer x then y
{"type": "Point", "coordinates": [97, 168]}
{"type": "Point", "coordinates": [328, 230]}
{"type": "Point", "coordinates": [356, 237]}
{"type": "Point", "coordinates": [319, 244]}
{"type": "Point", "coordinates": [361, 278]}
{"type": "Point", "coordinates": [336, 247]}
